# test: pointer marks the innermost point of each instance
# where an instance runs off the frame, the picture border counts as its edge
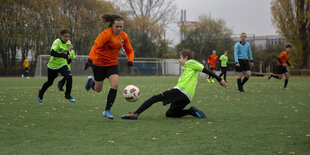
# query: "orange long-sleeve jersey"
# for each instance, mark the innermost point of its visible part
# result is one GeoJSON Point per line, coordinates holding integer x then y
{"type": "Point", "coordinates": [107, 46]}
{"type": "Point", "coordinates": [212, 60]}
{"type": "Point", "coordinates": [284, 57]}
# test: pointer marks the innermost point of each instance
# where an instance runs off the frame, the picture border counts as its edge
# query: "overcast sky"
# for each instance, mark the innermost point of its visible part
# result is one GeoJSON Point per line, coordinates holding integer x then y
{"type": "Point", "coordinates": [250, 16]}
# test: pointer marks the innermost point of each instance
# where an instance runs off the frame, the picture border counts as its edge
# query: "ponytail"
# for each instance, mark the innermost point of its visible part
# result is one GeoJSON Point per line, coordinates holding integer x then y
{"type": "Point", "coordinates": [106, 18]}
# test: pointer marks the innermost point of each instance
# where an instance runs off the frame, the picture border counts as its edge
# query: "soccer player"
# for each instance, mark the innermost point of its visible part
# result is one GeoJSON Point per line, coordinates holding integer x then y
{"type": "Point", "coordinates": [62, 82]}
{"type": "Point", "coordinates": [282, 67]}
{"type": "Point", "coordinates": [182, 94]}
{"type": "Point", "coordinates": [26, 67]}
{"type": "Point", "coordinates": [242, 56]}
{"type": "Point", "coordinates": [212, 60]}
{"type": "Point", "coordinates": [58, 64]}
{"type": "Point", "coordinates": [224, 60]}
{"type": "Point", "coordinates": [104, 55]}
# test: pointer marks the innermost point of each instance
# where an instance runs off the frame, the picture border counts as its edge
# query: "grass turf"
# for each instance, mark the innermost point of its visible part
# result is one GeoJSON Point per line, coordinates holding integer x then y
{"type": "Point", "coordinates": [263, 120]}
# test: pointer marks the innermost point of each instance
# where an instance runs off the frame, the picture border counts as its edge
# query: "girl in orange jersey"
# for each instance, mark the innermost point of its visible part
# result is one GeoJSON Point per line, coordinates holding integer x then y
{"type": "Point", "coordinates": [104, 55]}
{"type": "Point", "coordinates": [212, 60]}
{"type": "Point", "coordinates": [282, 67]}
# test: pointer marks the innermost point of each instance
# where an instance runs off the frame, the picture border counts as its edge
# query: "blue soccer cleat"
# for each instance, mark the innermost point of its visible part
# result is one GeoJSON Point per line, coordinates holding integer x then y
{"type": "Point", "coordinates": [87, 85]}
{"type": "Point", "coordinates": [107, 114]}
{"type": "Point", "coordinates": [70, 98]}
{"type": "Point", "coordinates": [198, 113]}
{"type": "Point", "coordinates": [39, 98]}
{"type": "Point", "coordinates": [130, 116]}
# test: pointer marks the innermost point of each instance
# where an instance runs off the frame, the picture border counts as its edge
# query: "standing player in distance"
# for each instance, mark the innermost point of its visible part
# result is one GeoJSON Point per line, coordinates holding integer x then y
{"type": "Point", "coordinates": [224, 60]}
{"type": "Point", "coordinates": [62, 82]}
{"type": "Point", "coordinates": [105, 58]}
{"type": "Point", "coordinates": [58, 64]}
{"type": "Point", "coordinates": [242, 56]}
{"type": "Point", "coordinates": [182, 94]}
{"type": "Point", "coordinates": [26, 67]}
{"type": "Point", "coordinates": [282, 67]}
{"type": "Point", "coordinates": [212, 60]}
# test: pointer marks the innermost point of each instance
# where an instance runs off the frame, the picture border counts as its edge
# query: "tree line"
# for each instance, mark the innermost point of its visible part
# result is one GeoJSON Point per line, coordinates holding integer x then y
{"type": "Point", "coordinates": [32, 26]}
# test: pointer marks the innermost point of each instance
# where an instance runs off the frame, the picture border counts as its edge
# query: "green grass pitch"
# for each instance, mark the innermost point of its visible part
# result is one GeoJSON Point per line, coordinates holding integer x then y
{"type": "Point", "coordinates": [263, 120]}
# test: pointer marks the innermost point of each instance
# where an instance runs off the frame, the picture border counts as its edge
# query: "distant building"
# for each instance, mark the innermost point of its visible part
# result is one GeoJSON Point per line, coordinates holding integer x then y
{"type": "Point", "coordinates": [261, 42]}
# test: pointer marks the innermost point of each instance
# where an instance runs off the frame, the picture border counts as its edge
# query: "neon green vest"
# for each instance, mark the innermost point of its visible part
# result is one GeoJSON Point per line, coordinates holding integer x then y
{"type": "Point", "coordinates": [60, 47]}
{"type": "Point", "coordinates": [188, 79]}
{"type": "Point", "coordinates": [224, 60]}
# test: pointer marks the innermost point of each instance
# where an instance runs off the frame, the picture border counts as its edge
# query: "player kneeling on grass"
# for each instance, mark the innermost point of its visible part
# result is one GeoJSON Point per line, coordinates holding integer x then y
{"type": "Point", "coordinates": [182, 93]}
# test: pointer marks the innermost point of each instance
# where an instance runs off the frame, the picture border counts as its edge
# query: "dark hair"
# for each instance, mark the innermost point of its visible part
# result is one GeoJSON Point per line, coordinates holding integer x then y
{"type": "Point", "coordinates": [288, 46]}
{"type": "Point", "coordinates": [187, 53]}
{"type": "Point", "coordinates": [64, 31]}
{"type": "Point", "coordinates": [111, 19]}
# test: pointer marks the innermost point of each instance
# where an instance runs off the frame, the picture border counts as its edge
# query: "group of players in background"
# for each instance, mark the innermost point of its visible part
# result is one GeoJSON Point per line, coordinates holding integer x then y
{"type": "Point", "coordinates": [103, 59]}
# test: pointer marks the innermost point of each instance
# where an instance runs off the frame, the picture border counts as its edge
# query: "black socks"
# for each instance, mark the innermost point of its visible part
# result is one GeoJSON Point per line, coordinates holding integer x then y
{"type": "Point", "coordinates": [245, 79]}
{"type": "Point", "coordinates": [111, 98]}
{"type": "Point", "coordinates": [239, 84]}
{"type": "Point", "coordinates": [285, 83]}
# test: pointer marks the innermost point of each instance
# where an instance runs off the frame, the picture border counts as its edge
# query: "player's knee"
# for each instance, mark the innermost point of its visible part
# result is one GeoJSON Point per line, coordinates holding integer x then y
{"type": "Point", "coordinates": [98, 89]}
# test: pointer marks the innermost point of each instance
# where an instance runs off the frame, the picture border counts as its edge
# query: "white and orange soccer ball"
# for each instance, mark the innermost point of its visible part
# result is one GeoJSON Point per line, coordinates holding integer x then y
{"type": "Point", "coordinates": [131, 93]}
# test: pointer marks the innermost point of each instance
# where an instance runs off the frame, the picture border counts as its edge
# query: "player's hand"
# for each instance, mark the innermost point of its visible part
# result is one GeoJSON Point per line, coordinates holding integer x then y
{"type": "Point", "coordinates": [292, 67]}
{"type": "Point", "coordinates": [237, 64]}
{"type": "Point", "coordinates": [71, 47]}
{"type": "Point", "coordinates": [252, 64]}
{"type": "Point", "coordinates": [223, 83]}
{"type": "Point", "coordinates": [129, 63]}
{"type": "Point", "coordinates": [88, 64]}
{"type": "Point", "coordinates": [69, 57]}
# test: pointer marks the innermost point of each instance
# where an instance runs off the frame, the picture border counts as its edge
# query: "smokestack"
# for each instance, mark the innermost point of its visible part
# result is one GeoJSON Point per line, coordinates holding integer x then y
{"type": "Point", "coordinates": [181, 15]}
{"type": "Point", "coordinates": [184, 15]}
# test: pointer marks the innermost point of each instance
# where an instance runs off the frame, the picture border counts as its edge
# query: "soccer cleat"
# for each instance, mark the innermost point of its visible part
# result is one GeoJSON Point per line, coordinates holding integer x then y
{"type": "Point", "coordinates": [107, 114]}
{"type": "Point", "coordinates": [70, 98]}
{"type": "Point", "coordinates": [198, 113]}
{"type": "Point", "coordinates": [269, 76]}
{"type": "Point", "coordinates": [130, 116]}
{"type": "Point", "coordinates": [208, 80]}
{"type": "Point", "coordinates": [60, 86]}
{"type": "Point", "coordinates": [285, 88]}
{"type": "Point", "coordinates": [212, 80]}
{"type": "Point", "coordinates": [39, 98]}
{"type": "Point", "coordinates": [87, 85]}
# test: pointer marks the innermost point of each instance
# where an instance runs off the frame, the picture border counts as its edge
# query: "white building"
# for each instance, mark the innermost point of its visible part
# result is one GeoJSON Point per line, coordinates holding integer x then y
{"type": "Point", "coordinates": [261, 42]}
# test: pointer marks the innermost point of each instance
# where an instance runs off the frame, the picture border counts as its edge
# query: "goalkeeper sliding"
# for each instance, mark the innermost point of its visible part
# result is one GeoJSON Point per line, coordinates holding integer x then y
{"type": "Point", "coordinates": [181, 95]}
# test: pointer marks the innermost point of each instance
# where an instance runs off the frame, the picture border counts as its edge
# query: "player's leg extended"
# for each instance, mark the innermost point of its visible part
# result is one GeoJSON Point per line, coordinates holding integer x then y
{"type": "Point", "coordinates": [51, 76]}
{"type": "Point", "coordinates": [148, 103]}
{"type": "Point", "coordinates": [246, 78]}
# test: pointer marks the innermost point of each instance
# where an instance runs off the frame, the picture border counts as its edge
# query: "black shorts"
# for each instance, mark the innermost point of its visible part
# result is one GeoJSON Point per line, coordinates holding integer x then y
{"type": "Point", "coordinates": [100, 73]}
{"type": "Point", "coordinates": [212, 68]}
{"type": "Point", "coordinates": [244, 65]}
{"type": "Point", "coordinates": [64, 71]}
{"type": "Point", "coordinates": [281, 70]}
{"type": "Point", "coordinates": [175, 96]}
{"type": "Point", "coordinates": [26, 68]}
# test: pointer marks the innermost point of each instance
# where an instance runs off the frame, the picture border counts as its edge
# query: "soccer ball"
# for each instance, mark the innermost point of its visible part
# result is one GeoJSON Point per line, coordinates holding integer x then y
{"type": "Point", "coordinates": [131, 93]}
